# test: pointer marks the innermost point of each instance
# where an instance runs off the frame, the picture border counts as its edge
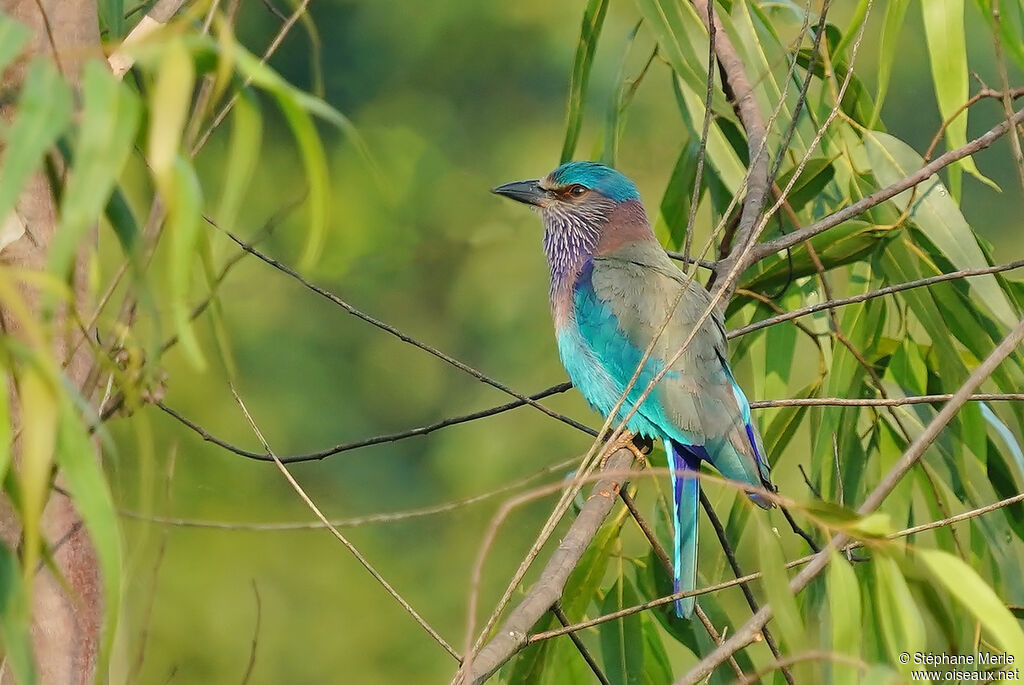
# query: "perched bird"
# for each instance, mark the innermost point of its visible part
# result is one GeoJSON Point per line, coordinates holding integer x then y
{"type": "Point", "coordinates": [612, 289]}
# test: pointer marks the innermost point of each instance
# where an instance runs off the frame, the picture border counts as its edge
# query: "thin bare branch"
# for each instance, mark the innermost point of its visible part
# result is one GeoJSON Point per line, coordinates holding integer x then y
{"type": "Point", "coordinates": [884, 401]}
{"type": "Point", "coordinates": [561, 387]}
{"type": "Point", "coordinates": [341, 538]}
{"type": "Point", "coordinates": [384, 517]}
{"type": "Point", "coordinates": [698, 178]}
{"type": "Point", "coordinates": [985, 92]}
{"type": "Point", "coordinates": [580, 647]}
{"type": "Point", "coordinates": [764, 249]}
{"type": "Point", "coordinates": [375, 440]}
{"type": "Point", "coordinates": [716, 636]}
{"type": "Point", "coordinates": [753, 123]}
{"type": "Point", "coordinates": [255, 635]}
{"type": "Point", "coordinates": [887, 290]}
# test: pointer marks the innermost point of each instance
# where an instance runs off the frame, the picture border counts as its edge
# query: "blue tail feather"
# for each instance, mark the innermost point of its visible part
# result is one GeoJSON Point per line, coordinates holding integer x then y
{"type": "Point", "coordinates": [684, 462]}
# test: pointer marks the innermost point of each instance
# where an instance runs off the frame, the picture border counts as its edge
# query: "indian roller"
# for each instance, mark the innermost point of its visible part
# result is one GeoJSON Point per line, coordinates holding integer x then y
{"type": "Point", "coordinates": [612, 289]}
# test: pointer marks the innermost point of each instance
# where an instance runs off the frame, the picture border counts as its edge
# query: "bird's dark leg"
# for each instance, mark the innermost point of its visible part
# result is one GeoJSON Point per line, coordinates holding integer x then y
{"type": "Point", "coordinates": [639, 445]}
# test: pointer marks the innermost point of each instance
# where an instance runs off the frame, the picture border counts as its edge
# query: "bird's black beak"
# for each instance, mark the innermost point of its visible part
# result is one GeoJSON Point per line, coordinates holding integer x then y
{"type": "Point", "coordinates": [527, 192]}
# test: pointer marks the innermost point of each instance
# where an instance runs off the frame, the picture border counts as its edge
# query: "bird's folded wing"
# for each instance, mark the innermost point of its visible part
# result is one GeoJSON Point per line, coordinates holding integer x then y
{"type": "Point", "coordinates": [622, 302]}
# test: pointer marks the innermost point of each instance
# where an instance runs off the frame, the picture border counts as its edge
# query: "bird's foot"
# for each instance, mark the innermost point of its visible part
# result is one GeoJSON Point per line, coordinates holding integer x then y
{"type": "Point", "coordinates": [628, 440]}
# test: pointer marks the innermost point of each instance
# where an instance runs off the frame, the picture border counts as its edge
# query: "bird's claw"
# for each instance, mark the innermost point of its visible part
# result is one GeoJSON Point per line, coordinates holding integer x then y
{"type": "Point", "coordinates": [626, 439]}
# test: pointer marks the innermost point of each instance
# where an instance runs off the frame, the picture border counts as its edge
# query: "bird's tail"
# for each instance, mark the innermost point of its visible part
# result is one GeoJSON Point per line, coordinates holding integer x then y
{"type": "Point", "coordinates": [685, 495]}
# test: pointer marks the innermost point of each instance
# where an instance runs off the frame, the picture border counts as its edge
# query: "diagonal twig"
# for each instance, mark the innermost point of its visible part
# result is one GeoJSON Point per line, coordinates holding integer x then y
{"type": "Point", "coordinates": [556, 609]}
{"type": "Point", "coordinates": [341, 538]}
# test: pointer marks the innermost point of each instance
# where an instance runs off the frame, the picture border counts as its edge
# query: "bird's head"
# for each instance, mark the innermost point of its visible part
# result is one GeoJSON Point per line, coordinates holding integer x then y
{"type": "Point", "coordinates": [584, 205]}
{"type": "Point", "coordinates": [575, 192]}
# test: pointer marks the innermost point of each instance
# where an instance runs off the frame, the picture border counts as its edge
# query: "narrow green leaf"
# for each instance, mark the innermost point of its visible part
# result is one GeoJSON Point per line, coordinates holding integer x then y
{"type": "Point", "coordinates": [964, 583]}
{"type": "Point", "coordinates": [620, 101]}
{"type": "Point", "coordinates": [183, 196]}
{"type": "Point", "coordinates": [775, 581]}
{"type": "Point", "coordinates": [13, 36]}
{"type": "Point", "coordinates": [898, 262]}
{"type": "Point", "coordinates": [938, 216]}
{"type": "Point", "coordinates": [6, 431]}
{"type": "Point", "coordinates": [1004, 482]}
{"type": "Point", "coordinates": [845, 617]}
{"type": "Point", "coordinates": [216, 309]}
{"type": "Point", "coordinates": [675, 203]}
{"type": "Point", "coordinates": [112, 19]}
{"type": "Point", "coordinates": [38, 404]}
{"type": "Point", "coordinates": [315, 161]}
{"type": "Point", "coordinates": [848, 242]}
{"type": "Point", "coordinates": [590, 31]}
{"type": "Point", "coordinates": [720, 154]}
{"type": "Point", "coordinates": [908, 369]}
{"type": "Point", "coordinates": [563, 666]}
{"type": "Point", "coordinates": [122, 219]}
{"type": "Point", "coordinates": [109, 120]}
{"type": "Point", "coordinates": [168, 107]}
{"type": "Point", "coordinates": [944, 30]}
{"type": "Point", "coordinates": [903, 629]}
{"type": "Point", "coordinates": [44, 109]}
{"type": "Point", "coordinates": [15, 620]}
{"type": "Point", "coordinates": [888, 47]}
{"type": "Point", "coordinates": [874, 525]}
{"type": "Point", "coordinates": [657, 667]}
{"type": "Point", "coordinates": [816, 174]}
{"type": "Point", "coordinates": [242, 157]}
{"type": "Point", "coordinates": [85, 480]}
{"type": "Point", "coordinates": [856, 103]}
{"type": "Point", "coordinates": [787, 421]}
{"type": "Point", "coordinates": [266, 78]}
{"type": "Point", "coordinates": [622, 641]}
{"type": "Point", "coordinates": [852, 28]}
{"type": "Point", "coordinates": [683, 41]}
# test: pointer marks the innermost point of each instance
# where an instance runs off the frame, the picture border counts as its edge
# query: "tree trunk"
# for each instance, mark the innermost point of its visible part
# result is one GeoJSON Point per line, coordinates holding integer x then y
{"type": "Point", "coordinates": [66, 627]}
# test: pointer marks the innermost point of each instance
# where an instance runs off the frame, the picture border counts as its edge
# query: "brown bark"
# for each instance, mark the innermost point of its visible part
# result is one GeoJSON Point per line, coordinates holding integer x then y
{"type": "Point", "coordinates": [66, 627]}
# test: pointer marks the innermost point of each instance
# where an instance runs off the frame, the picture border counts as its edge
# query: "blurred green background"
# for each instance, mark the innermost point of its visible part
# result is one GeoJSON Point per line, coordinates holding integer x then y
{"type": "Point", "coordinates": [452, 99]}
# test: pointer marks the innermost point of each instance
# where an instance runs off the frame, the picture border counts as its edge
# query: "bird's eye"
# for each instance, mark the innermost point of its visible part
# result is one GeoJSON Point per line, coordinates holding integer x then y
{"type": "Point", "coordinates": [577, 190]}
